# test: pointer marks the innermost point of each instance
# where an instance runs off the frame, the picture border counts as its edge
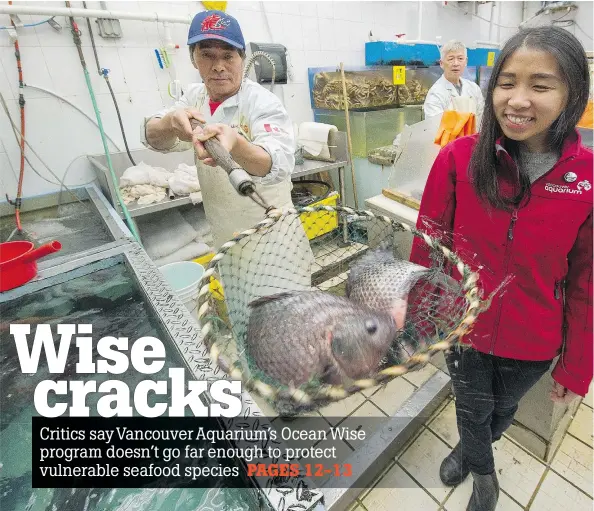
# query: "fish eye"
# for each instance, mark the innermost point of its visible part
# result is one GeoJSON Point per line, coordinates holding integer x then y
{"type": "Point", "coordinates": [371, 326]}
{"type": "Point", "coordinates": [338, 345]}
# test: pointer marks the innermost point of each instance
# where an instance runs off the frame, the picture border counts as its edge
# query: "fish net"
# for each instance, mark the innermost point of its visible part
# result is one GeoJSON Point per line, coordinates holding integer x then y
{"type": "Point", "coordinates": [318, 248]}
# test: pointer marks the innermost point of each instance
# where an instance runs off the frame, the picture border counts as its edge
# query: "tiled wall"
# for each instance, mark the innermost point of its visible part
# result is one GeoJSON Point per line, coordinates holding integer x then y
{"type": "Point", "coordinates": [316, 34]}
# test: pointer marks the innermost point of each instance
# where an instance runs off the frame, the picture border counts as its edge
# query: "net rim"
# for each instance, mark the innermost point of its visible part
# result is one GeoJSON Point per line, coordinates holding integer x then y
{"type": "Point", "coordinates": [326, 393]}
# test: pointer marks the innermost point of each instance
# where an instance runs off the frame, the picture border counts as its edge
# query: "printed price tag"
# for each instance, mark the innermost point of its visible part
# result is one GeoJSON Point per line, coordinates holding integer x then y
{"type": "Point", "coordinates": [399, 75]}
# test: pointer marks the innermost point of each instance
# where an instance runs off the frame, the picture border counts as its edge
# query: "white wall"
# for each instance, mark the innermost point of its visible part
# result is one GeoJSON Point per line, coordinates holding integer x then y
{"type": "Point", "coordinates": [316, 34]}
{"type": "Point", "coordinates": [578, 22]}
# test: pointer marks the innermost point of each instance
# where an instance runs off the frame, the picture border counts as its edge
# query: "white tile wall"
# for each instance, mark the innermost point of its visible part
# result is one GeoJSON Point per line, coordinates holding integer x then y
{"type": "Point", "coordinates": [8, 176]}
{"type": "Point", "coordinates": [317, 34]}
{"type": "Point", "coordinates": [35, 71]}
{"type": "Point", "coordinates": [66, 79]}
{"type": "Point", "coordinates": [311, 33]}
{"type": "Point", "coordinates": [5, 88]}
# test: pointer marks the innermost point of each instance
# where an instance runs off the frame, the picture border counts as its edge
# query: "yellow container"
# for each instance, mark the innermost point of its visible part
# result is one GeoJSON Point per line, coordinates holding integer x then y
{"type": "Point", "coordinates": [215, 286]}
{"type": "Point", "coordinates": [321, 222]}
{"type": "Point", "coordinates": [204, 259]}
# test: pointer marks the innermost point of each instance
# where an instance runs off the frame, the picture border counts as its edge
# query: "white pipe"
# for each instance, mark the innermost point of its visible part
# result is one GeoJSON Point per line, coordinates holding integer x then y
{"type": "Point", "coordinates": [420, 20]}
{"type": "Point", "coordinates": [487, 43]}
{"type": "Point", "coordinates": [499, 6]}
{"type": "Point", "coordinates": [94, 13]}
{"type": "Point", "coordinates": [491, 20]}
{"type": "Point", "coordinates": [168, 40]}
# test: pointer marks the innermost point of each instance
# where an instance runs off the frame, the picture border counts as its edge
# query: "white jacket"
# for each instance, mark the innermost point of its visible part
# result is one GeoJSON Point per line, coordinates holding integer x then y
{"type": "Point", "coordinates": [254, 111]}
{"type": "Point", "coordinates": [439, 97]}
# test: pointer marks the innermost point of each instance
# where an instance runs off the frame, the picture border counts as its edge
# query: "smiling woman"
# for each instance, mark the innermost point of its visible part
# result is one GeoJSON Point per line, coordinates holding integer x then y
{"type": "Point", "coordinates": [530, 95]}
{"type": "Point", "coordinates": [519, 197]}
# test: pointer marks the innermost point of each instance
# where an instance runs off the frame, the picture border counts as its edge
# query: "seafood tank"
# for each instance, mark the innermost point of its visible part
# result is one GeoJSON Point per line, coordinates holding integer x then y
{"type": "Point", "coordinates": [80, 220]}
{"type": "Point", "coordinates": [371, 129]}
{"type": "Point", "coordinates": [372, 87]}
{"type": "Point", "coordinates": [111, 301]}
{"type": "Point", "coordinates": [367, 88]}
{"type": "Point", "coordinates": [378, 110]}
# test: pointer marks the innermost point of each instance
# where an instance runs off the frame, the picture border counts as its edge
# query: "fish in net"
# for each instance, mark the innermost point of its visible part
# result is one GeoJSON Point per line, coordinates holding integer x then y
{"type": "Point", "coordinates": [304, 324]}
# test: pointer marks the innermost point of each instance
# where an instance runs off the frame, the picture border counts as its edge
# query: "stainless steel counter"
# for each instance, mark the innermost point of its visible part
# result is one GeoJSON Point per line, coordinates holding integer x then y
{"type": "Point", "coordinates": [170, 161]}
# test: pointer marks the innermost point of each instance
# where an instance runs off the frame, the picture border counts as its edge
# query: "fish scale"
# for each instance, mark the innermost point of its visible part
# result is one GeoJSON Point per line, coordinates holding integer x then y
{"type": "Point", "coordinates": [378, 280]}
{"type": "Point", "coordinates": [307, 336]}
{"type": "Point", "coordinates": [381, 282]}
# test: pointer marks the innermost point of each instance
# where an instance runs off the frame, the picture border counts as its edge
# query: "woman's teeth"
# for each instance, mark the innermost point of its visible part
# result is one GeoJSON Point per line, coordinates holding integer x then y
{"type": "Point", "coordinates": [518, 120]}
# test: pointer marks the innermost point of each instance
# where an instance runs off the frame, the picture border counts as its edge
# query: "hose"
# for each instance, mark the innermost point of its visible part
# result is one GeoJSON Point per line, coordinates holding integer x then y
{"type": "Point", "coordinates": [251, 61]}
{"type": "Point", "coordinates": [61, 98]}
{"type": "Point", "coordinates": [29, 24]}
{"type": "Point", "coordinates": [18, 200]}
{"type": "Point", "coordinates": [104, 72]}
{"type": "Point", "coordinates": [77, 42]}
{"type": "Point", "coordinates": [18, 139]}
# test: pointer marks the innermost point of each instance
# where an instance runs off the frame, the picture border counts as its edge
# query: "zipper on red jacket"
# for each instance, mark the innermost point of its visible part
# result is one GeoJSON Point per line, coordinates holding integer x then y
{"type": "Point", "coordinates": [510, 231]}
{"type": "Point", "coordinates": [506, 258]}
{"type": "Point", "coordinates": [510, 238]}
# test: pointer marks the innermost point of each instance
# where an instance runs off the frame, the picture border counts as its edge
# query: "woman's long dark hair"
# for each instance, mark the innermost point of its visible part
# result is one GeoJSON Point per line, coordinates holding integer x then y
{"type": "Point", "coordinates": [573, 64]}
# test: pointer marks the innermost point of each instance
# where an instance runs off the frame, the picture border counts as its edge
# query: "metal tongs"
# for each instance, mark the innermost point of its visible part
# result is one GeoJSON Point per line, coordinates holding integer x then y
{"type": "Point", "coordinates": [240, 179]}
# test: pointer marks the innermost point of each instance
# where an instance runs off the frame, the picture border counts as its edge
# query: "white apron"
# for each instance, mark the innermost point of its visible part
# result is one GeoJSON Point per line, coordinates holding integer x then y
{"type": "Point", "coordinates": [262, 265]}
{"type": "Point", "coordinates": [228, 212]}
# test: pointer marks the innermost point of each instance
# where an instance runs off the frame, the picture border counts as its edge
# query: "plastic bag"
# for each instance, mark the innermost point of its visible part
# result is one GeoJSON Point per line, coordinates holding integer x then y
{"type": "Point", "coordinates": [183, 183]}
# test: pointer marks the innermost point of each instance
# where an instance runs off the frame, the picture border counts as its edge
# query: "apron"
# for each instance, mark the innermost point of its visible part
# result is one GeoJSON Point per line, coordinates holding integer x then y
{"type": "Point", "coordinates": [228, 212]}
{"type": "Point", "coordinates": [263, 264]}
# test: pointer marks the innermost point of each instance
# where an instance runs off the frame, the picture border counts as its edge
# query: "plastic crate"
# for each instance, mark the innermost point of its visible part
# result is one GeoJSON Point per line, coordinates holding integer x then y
{"type": "Point", "coordinates": [321, 222]}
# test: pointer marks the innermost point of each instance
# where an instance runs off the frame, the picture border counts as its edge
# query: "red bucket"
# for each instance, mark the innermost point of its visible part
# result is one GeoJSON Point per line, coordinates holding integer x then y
{"type": "Point", "coordinates": [18, 261]}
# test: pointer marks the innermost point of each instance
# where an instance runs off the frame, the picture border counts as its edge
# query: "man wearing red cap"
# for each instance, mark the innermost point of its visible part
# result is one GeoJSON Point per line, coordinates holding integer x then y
{"type": "Point", "coordinates": [248, 120]}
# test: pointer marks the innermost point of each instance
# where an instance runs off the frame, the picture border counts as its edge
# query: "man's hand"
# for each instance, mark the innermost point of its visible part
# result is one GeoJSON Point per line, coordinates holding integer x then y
{"type": "Point", "coordinates": [561, 394]}
{"type": "Point", "coordinates": [179, 122]}
{"type": "Point", "coordinates": [227, 136]}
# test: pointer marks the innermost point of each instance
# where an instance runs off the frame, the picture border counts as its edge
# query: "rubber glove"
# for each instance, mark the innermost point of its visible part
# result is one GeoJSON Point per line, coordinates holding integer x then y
{"type": "Point", "coordinates": [455, 125]}
{"type": "Point", "coordinates": [446, 126]}
{"type": "Point", "coordinates": [461, 121]}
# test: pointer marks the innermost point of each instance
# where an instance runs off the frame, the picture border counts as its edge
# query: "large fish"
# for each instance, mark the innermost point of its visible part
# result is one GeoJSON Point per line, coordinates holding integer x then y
{"type": "Point", "coordinates": [381, 282]}
{"type": "Point", "coordinates": [304, 336]}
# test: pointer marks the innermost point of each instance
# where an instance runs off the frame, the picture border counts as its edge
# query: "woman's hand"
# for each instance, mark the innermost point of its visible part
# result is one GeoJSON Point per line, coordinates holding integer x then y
{"type": "Point", "coordinates": [226, 135]}
{"type": "Point", "coordinates": [561, 394]}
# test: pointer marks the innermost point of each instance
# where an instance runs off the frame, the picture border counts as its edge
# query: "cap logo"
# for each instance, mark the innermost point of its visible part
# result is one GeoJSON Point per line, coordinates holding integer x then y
{"type": "Point", "coordinates": [214, 22]}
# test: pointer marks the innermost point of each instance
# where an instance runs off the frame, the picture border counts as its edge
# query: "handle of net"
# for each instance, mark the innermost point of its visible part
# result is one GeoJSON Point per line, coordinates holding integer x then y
{"type": "Point", "coordinates": [239, 178]}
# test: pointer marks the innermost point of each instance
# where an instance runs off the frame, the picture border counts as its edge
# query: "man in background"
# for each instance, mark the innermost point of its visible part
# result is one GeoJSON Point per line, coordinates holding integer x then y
{"type": "Point", "coordinates": [442, 95]}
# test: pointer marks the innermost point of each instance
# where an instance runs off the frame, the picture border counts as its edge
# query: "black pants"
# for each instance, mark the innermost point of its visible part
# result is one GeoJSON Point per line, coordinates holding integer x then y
{"type": "Point", "coordinates": [487, 390]}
